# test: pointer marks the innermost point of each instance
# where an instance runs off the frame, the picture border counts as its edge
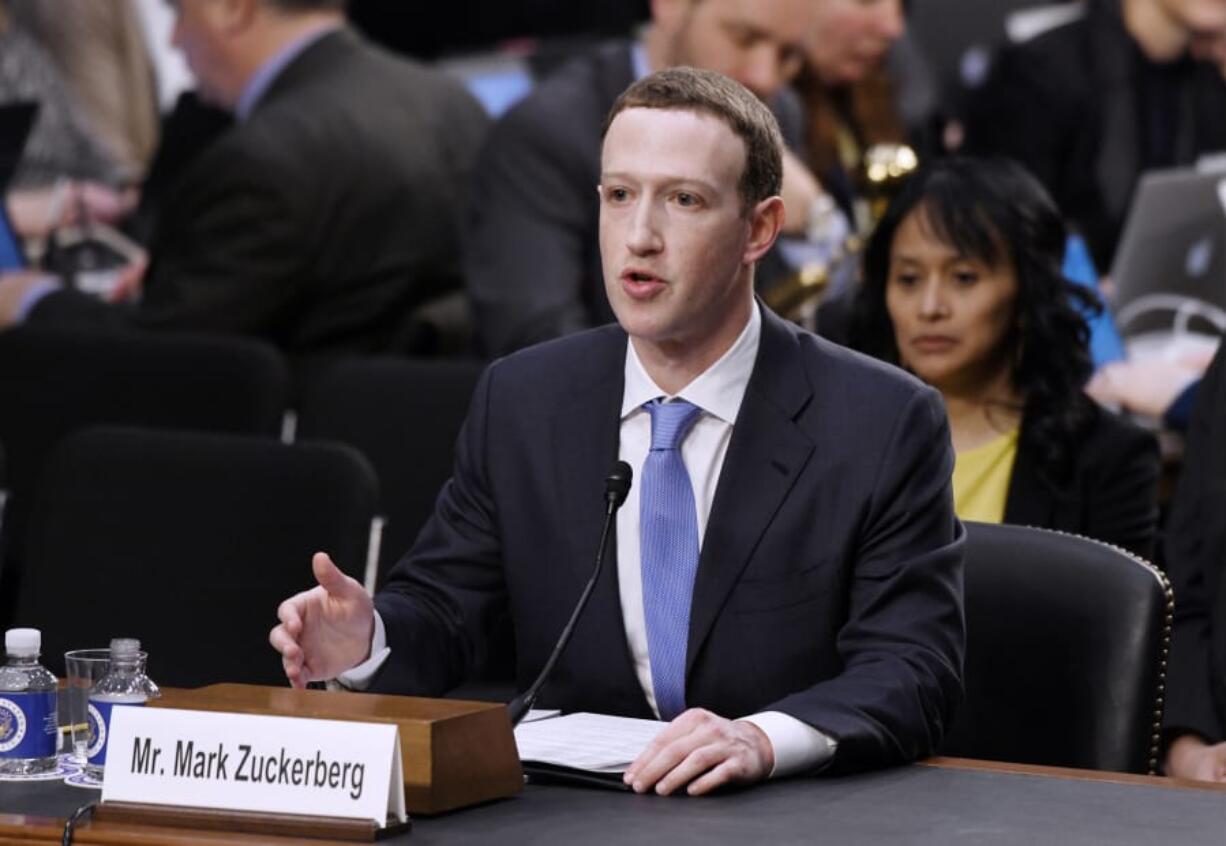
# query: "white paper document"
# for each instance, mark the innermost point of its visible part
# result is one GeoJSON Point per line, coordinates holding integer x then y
{"type": "Point", "coordinates": [593, 742]}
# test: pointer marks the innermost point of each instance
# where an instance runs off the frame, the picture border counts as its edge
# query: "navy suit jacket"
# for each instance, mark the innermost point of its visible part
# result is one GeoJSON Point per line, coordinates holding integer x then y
{"type": "Point", "coordinates": [830, 581]}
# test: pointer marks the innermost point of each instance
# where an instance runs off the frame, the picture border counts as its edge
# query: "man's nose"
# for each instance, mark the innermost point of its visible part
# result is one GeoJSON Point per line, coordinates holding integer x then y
{"type": "Point", "coordinates": [643, 237]}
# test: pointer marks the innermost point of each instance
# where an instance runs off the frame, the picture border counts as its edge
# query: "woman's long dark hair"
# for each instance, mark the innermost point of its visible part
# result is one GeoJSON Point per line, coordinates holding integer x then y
{"type": "Point", "coordinates": [994, 211]}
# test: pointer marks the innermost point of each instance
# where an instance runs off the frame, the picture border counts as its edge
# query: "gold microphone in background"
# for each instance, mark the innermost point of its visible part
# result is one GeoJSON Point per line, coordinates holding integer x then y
{"type": "Point", "coordinates": [884, 169]}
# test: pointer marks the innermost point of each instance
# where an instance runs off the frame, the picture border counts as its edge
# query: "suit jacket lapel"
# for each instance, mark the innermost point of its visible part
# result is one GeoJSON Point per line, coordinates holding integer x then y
{"type": "Point", "coordinates": [766, 455]}
{"type": "Point", "coordinates": [584, 433]}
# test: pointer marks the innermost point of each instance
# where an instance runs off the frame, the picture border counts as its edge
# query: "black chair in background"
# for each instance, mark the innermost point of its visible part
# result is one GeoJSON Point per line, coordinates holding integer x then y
{"type": "Point", "coordinates": [1067, 642]}
{"type": "Point", "coordinates": [188, 541]}
{"type": "Point", "coordinates": [404, 415]}
{"type": "Point", "coordinates": [54, 382]}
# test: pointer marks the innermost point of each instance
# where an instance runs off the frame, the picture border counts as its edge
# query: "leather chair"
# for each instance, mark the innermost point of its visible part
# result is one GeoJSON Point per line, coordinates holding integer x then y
{"type": "Point", "coordinates": [188, 541]}
{"type": "Point", "coordinates": [54, 382]}
{"type": "Point", "coordinates": [1067, 642]}
{"type": "Point", "coordinates": [404, 415]}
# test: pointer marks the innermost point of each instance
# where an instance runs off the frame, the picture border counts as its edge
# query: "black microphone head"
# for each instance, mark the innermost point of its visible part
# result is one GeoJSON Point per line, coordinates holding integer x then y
{"type": "Point", "coordinates": [617, 484]}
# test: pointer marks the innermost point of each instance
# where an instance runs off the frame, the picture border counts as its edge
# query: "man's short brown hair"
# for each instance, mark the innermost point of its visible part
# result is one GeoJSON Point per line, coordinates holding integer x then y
{"type": "Point", "coordinates": [708, 92]}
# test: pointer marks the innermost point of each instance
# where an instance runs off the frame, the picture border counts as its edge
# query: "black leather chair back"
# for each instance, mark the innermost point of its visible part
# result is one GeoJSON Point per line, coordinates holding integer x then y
{"type": "Point", "coordinates": [187, 541]}
{"type": "Point", "coordinates": [404, 415]}
{"type": "Point", "coordinates": [1067, 642]}
{"type": "Point", "coordinates": [55, 382]}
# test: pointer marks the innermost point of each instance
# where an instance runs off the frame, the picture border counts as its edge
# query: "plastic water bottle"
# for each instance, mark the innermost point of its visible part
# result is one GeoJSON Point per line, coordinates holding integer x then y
{"type": "Point", "coordinates": [28, 730]}
{"type": "Point", "coordinates": [124, 685]}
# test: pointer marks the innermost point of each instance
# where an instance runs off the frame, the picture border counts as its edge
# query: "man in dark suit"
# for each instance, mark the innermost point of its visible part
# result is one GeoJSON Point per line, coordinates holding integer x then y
{"type": "Point", "coordinates": [532, 266]}
{"type": "Point", "coordinates": [788, 555]}
{"type": "Point", "coordinates": [328, 212]}
{"type": "Point", "coordinates": [1195, 718]}
{"type": "Point", "coordinates": [1091, 104]}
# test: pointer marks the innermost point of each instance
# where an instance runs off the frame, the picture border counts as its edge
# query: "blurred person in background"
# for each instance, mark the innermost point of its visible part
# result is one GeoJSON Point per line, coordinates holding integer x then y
{"type": "Point", "coordinates": [963, 287]}
{"type": "Point", "coordinates": [99, 50]}
{"type": "Point", "coordinates": [532, 264]}
{"type": "Point", "coordinates": [325, 215]}
{"type": "Point", "coordinates": [848, 90]}
{"type": "Point", "coordinates": [63, 173]}
{"type": "Point", "coordinates": [1089, 105]}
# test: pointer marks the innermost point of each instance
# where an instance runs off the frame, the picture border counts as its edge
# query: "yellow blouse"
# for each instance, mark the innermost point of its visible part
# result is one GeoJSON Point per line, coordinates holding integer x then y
{"type": "Point", "coordinates": [981, 479]}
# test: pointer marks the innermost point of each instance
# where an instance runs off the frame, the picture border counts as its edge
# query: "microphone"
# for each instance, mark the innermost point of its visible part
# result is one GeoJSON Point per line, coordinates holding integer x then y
{"type": "Point", "coordinates": [616, 486]}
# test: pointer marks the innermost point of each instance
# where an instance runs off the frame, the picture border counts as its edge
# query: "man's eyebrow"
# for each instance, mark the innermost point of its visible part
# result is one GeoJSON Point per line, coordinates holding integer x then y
{"type": "Point", "coordinates": [667, 180]}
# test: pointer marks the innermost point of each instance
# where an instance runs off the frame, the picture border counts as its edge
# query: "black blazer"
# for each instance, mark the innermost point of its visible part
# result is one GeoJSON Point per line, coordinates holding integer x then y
{"type": "Point", "coordinates": [1066, 105]}
{"type": "Point", "coordinates": [1110, 495]}
{"type": "Point", "coordinates": [829, 586]}
{"type": "Point", "coordinates": [322, 219]}
{"type": "Point", "coordinates": [1195, 560]}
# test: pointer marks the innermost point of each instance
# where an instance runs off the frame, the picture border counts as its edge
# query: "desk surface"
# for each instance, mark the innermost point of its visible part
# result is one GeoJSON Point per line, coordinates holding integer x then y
{"type": "Point", "coordinates": [913, 805]}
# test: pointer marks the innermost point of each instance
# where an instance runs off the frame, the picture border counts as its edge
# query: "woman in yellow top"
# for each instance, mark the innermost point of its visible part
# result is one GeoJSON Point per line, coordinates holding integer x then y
{"type": "Point", "coordinates": [963, 287]}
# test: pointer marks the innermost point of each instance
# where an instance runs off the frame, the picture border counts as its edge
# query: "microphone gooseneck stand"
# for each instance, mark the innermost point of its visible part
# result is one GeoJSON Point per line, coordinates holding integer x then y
{"type": "Point", "coordinates": [616, 486]}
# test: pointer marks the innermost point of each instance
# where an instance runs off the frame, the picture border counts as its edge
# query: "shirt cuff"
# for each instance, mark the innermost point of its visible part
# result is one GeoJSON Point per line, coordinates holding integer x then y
{"type": "Point", "coordinates": [359, 677]}
{"type": "Point", "coordinates": [798, 746]}
{"type": "Point", "coordinates": [34, 295]}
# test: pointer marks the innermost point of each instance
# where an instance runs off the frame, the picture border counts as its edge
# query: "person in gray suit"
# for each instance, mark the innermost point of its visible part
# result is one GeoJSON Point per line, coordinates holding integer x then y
{"type": "Point", "coordinates": [327, 213]}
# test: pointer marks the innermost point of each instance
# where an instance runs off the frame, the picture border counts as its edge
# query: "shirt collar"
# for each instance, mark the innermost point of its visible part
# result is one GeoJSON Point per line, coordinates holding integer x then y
{"type": "Point", "coordinates": [718, 390]}
{"type": "Point", "coordinates": [267, 73]}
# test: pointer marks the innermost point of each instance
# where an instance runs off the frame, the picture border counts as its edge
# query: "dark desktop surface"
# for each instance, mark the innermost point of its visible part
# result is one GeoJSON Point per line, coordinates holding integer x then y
{"type": "Point", "coordinates": [916, 805]}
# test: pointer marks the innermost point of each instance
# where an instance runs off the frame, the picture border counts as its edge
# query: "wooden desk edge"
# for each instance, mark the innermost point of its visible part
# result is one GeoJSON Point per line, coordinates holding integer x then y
{"type": "Point", "coordinates": [1070, 773]}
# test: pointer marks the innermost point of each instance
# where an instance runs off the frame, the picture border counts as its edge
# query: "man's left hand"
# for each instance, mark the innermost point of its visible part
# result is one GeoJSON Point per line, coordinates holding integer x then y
{"type": "Point", "coordinates": [700, 751]}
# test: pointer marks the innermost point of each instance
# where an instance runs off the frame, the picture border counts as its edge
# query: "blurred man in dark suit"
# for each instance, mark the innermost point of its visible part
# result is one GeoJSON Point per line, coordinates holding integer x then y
{"type": "Point", "coordinates": [327, 213]}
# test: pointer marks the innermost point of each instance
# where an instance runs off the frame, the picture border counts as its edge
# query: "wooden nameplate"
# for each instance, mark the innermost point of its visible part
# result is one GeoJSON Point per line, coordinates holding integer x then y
{"type": "Point", "coordinates": [454, 753]}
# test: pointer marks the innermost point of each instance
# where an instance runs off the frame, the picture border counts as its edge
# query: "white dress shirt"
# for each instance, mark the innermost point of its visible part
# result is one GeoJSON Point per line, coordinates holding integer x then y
{"type": "Point", "coordinates": [718, 391]}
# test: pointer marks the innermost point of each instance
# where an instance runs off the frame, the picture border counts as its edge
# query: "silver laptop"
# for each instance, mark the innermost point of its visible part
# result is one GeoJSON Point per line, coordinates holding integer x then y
{"type": "Point", "coordinates": [1169, 273]}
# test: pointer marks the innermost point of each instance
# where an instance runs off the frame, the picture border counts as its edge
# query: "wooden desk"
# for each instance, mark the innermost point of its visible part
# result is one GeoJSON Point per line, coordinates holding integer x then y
{"type": "Point", "coordinates": [941, 801]}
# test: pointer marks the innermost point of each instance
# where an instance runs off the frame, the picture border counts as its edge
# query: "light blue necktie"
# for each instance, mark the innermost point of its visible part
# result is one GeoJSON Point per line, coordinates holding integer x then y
{"type": "Point", "coordinates": [668, 525]}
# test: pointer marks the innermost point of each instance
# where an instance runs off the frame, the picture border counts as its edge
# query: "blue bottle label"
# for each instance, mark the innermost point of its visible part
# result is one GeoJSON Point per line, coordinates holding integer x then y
{"type": "Point", "coordinates": [27, 724]}
{"type": "Point", "coordinates": [99, 718]}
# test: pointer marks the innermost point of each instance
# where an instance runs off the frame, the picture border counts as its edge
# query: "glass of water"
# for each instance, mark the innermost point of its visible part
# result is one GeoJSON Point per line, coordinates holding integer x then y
{"type": "Point", "coordinates": [85, 668]}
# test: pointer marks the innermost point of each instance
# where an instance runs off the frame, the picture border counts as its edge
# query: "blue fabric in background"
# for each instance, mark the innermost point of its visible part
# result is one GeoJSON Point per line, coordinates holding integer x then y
{"type": "Point", "coordinates": [11, 257]}
{"type": "Point", "coordinates": [1105, 342]}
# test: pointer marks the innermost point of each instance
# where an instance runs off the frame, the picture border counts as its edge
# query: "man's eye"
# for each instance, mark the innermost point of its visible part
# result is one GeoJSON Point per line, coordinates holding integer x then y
{"type": "Point", "coordinates": [684, 198]}
{"type": "Point", "coordinates": [617, 195]}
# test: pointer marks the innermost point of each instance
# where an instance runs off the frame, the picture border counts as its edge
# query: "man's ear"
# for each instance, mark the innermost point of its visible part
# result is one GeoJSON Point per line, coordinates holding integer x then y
{"type": "Point", "coordinates": [765, 224]}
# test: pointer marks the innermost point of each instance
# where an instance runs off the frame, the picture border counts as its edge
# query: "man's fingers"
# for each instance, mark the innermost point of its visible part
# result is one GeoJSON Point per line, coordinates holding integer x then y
{"type": "Point", "coordinates": [285, 643]}
{"type": "Point", "coordinates": [732, 770]}
{"type": "Point", "coordinates": [665, 760]}
{"type": "Point", "coordinates": [330, 577]}
{"type": "Point", "coordinates": [690, 767]}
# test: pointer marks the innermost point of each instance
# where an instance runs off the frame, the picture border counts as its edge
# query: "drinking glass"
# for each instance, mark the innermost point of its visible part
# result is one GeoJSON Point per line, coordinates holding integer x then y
{"type": "Point", "coordinates": [85, 668]}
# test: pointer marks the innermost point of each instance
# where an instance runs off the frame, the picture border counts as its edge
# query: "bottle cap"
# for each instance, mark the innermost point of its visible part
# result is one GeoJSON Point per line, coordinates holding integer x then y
{"type": "Point", "coordinates": [124, 647]}
{"type": "Point", "coordinates": [23, 642]}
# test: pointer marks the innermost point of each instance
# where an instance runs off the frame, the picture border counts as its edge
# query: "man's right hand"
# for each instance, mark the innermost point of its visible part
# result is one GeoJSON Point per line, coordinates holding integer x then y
{"type": "Point", "coordinates": [326, 630]}
{"type": "Point", "coordinates": [1191, 757]}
